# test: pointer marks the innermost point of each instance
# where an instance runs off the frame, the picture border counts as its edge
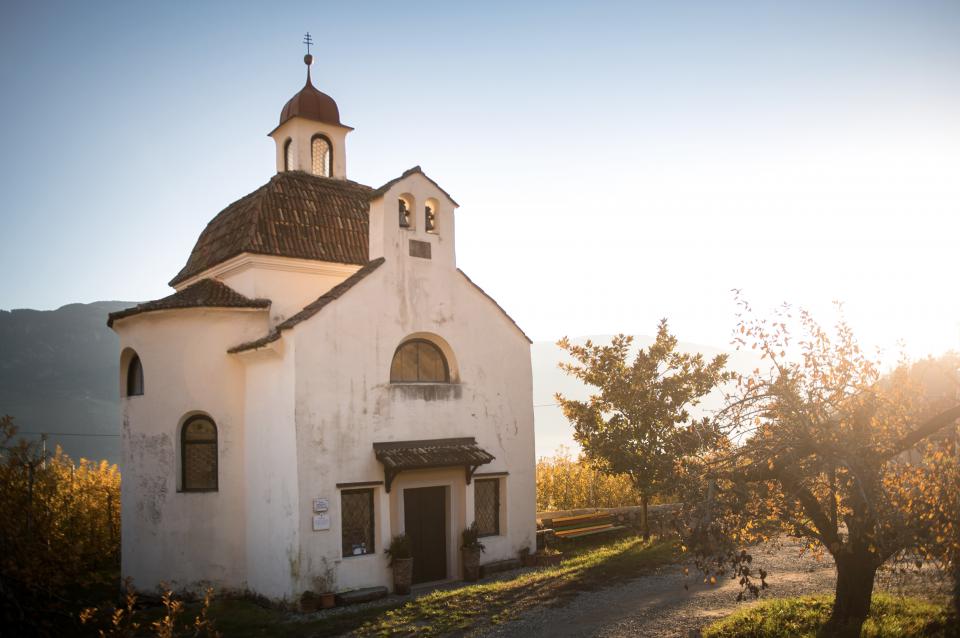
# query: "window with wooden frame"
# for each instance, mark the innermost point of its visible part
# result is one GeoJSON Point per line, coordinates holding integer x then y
{"type": "Point", "coordinates": [198, 455]}
{"type": "Point", "coordinates": [321, 155]}
{"type": "Point", "coordinates": [356, 516]}
{"type": "Point", "coordinates": [486, 504]}
{"type": "Point", "coordinates": [134, 377]}
{"type": "Point", "coordinates": [419, 361]}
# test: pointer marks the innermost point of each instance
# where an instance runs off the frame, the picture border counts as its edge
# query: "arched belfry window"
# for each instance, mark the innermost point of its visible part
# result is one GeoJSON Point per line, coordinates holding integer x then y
{"type": "Point", "coordinates": [134, 377]}
{"type": "Point", "coordinates": [419, 361]}
{"type": "Point", "coordinates": [322, 154]}
{"type": "Point", "coordinates": [404, 210]}
{"type": "Point", "coordinates": [198, 455]}
{"type": "Point", "coordinates": [288, 155]}
{"type": "Point", "coordinates": [430, 216]}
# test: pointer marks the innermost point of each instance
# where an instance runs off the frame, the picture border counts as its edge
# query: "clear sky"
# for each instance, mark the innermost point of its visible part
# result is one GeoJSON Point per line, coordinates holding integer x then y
{"type": "Point", "coordinates": [615, 162]}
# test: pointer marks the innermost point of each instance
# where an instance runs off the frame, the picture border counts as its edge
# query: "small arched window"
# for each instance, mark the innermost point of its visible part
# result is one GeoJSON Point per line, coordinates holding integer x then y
{"type": "Point", "coordinates": [198, 455]}
{"type": "Point", "coordinates": [404, 209]}
{"type": "Point", "coordinates": [288, 155]}
{"type": "Point", "coordinates": [430, 217]}
{"type": "Point", "coordinates": [321, 153]}
{"type": "Point", "coordinates": [419, 361]}
{"type": "Point", "coordinates": [134, 377]}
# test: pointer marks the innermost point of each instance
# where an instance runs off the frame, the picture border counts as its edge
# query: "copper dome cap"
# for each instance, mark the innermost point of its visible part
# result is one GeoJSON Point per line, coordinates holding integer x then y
{"type": "Point", "coordinates": [312, 105]}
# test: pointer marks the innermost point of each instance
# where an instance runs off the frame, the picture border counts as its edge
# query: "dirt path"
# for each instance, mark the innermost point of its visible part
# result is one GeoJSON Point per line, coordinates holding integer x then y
{"type": "Point", "coordinates": [657, 605]}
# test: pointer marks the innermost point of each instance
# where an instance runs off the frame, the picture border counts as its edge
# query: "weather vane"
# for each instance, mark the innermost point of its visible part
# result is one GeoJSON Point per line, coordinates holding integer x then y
{"type": "Point", "coordinates": [307, 40]}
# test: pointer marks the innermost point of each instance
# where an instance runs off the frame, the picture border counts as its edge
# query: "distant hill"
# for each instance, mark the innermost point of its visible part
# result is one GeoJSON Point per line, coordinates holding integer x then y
{"type": "Point", "coordinates": [58, 373]}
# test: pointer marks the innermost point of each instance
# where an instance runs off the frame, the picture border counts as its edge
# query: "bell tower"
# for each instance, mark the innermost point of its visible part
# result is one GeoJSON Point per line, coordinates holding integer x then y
{"type": "Point", "coordinates": [310, 136]}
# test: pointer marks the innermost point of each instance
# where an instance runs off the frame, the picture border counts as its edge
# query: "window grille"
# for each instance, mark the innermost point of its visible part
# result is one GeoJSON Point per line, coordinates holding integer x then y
{"type": "Point", "coordinates": [198, 455]}
{"type": "Point", "coordinates": [357, 522]}
{"type": "Point", "coordinates": [288, 155]}
{"type": "Point", "coordinates": [486, 498]}
{"type": "Point", "coordinates": [320, 148]}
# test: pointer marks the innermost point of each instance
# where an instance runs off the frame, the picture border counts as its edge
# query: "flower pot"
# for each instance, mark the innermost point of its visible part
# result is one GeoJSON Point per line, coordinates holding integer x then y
{"type": "Point", "coordinates": [547, 560]}
{"type": "Point", "coordinates": [402, 575]}
{"type": "Point", "coordinates": [471, 563]}
{"type": "Point", "coordinates": [309, 602]}
{"type": "Point", "coordinates": [327, 600]}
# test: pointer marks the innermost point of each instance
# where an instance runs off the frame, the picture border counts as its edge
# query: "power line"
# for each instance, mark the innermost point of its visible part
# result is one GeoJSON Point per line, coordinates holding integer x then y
{"type": "Point", "coordinates": [65, 433]}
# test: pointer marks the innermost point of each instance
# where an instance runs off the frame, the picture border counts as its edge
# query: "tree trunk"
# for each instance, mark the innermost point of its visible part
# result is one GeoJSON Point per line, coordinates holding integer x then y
{"type": "Point", "coordinates": [955, 568]}
{"type": "Point", "coordinates": [644, 520]}
{"type": "Point", "coordinates": [855, 576]}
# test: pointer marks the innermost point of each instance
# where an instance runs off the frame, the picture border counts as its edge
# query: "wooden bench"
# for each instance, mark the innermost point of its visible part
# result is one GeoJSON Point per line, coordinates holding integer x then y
{"type": "Point", "coordinates": [570, 527]}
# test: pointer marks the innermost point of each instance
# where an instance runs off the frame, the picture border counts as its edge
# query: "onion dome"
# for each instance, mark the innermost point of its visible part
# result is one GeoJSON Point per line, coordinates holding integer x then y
{"type": "Point", "coordinates": [311, 103]}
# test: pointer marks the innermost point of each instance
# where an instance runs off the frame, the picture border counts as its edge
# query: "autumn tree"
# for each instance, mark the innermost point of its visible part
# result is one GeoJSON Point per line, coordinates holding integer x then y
{"type": "Point", "coordinates": [59, 528]}
{"type": "Point", "coordinates": [823, 441]}
{"type": "Point", "coordinates": [638, 422]}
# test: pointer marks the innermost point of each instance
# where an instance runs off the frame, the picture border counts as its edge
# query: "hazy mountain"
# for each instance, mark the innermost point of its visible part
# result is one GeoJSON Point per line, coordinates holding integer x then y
{"type": "Point", "coordinates": [58, 374]}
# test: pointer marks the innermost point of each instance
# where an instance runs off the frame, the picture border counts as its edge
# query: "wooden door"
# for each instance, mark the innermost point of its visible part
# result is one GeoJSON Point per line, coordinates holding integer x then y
{"type": "Point", "coordinates": [424, 515]}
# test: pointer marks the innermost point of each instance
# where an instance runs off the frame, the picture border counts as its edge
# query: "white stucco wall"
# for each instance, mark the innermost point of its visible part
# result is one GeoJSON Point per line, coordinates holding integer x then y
{"type": "Point", "coordinates": [301, 131]}
{"type": "Point", "coordinates": [345, 403]}
{"type": "Point", "coordinates": [300, 416]}
{"type": "Point", "coordinates": [272, 495]}
{"type": "Point", "coordinates": [186, 539]}
{"type": "Point", "coordinates": [289, 283]}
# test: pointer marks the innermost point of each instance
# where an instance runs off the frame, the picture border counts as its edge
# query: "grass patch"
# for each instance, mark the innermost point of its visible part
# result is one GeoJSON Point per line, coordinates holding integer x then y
{"type": "Point", "coordinates": [500, 601]}
{"type": "Point", "coordinates": [890, 617]}
{"type": "Point", "coordinates": [445, 611]}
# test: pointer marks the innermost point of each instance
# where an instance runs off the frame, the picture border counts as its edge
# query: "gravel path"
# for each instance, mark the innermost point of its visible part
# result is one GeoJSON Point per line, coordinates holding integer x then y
{"type": "Point", "coordinates": [657, 605]}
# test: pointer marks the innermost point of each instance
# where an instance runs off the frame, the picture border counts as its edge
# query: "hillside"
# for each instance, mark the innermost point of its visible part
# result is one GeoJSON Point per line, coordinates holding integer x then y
{"type": "Point", "coordinates": [58, 373]}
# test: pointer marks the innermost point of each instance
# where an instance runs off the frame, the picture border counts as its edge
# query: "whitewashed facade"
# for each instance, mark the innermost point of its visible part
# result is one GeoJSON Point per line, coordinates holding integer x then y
{"type": "Point", "coordinates": [254, 396]}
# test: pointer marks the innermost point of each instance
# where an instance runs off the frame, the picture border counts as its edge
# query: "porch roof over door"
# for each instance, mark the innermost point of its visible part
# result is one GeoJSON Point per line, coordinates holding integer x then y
{"type": "Point", "coordinates": [398, 456]}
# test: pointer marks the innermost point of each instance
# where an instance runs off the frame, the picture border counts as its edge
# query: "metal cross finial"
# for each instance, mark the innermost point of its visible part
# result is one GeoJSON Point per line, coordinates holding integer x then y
{"type": "Point", "coordinates": [307, 40]}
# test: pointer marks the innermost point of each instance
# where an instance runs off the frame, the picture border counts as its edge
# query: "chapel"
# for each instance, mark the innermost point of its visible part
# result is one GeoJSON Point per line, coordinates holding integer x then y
{"type": "Point", "coordinates": [322, 379]}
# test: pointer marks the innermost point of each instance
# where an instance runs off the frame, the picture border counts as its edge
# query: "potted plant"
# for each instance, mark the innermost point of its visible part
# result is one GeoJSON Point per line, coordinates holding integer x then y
{"type": "Point", "coordinates": [526, 558]}
{"type": "Point", "coordinates": [323, 583]}
{"type": "Point", "coordinates": [401, 561]}
{"type": "Point", "coordinates": [471, 549]}
{"type": "Point", "coordinates": [549, 557]}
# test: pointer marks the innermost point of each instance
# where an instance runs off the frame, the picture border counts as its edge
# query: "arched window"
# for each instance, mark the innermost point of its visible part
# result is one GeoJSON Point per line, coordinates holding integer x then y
{"type": "Point", "coordinates": [419, 361]}
{"type": "Point", "coordinates": [288, 155]}
{"type": "Point", "coordinates": [134, 377]}
{"type": "Point", "coordinates": [320, 149]}
{"type": "Point", "coordinates": [198, 455]}
{"type": "Point", "coordinates": [404, 213]}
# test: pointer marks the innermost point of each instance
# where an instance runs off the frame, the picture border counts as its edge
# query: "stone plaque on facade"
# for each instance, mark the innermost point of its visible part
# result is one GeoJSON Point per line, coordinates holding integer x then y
{"type": "Point", "coordinates": [321, 522]}
{"type": "Point", "coordinates": [419, 249]}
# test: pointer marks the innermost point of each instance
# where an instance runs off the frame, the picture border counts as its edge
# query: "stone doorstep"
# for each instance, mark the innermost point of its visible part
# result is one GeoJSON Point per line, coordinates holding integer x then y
{"type": "Point", "coordinates": [364, 595]}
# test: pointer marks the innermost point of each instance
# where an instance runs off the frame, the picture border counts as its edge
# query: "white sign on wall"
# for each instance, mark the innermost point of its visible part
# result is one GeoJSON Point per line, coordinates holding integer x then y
{"type": "Point", "coordinates": [321, 522]}
{"type": "Point", "coordinates": [321, 505]}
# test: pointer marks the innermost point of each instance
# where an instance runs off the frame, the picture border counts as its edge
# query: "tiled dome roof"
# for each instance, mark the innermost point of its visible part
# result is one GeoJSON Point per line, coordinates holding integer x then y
{"type": "Point", "coordinates": [295, 214]}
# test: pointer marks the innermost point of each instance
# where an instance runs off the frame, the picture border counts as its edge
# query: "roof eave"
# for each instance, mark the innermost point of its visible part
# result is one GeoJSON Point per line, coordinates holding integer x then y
{"type": "Point", "coordinates": [303, 117]}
